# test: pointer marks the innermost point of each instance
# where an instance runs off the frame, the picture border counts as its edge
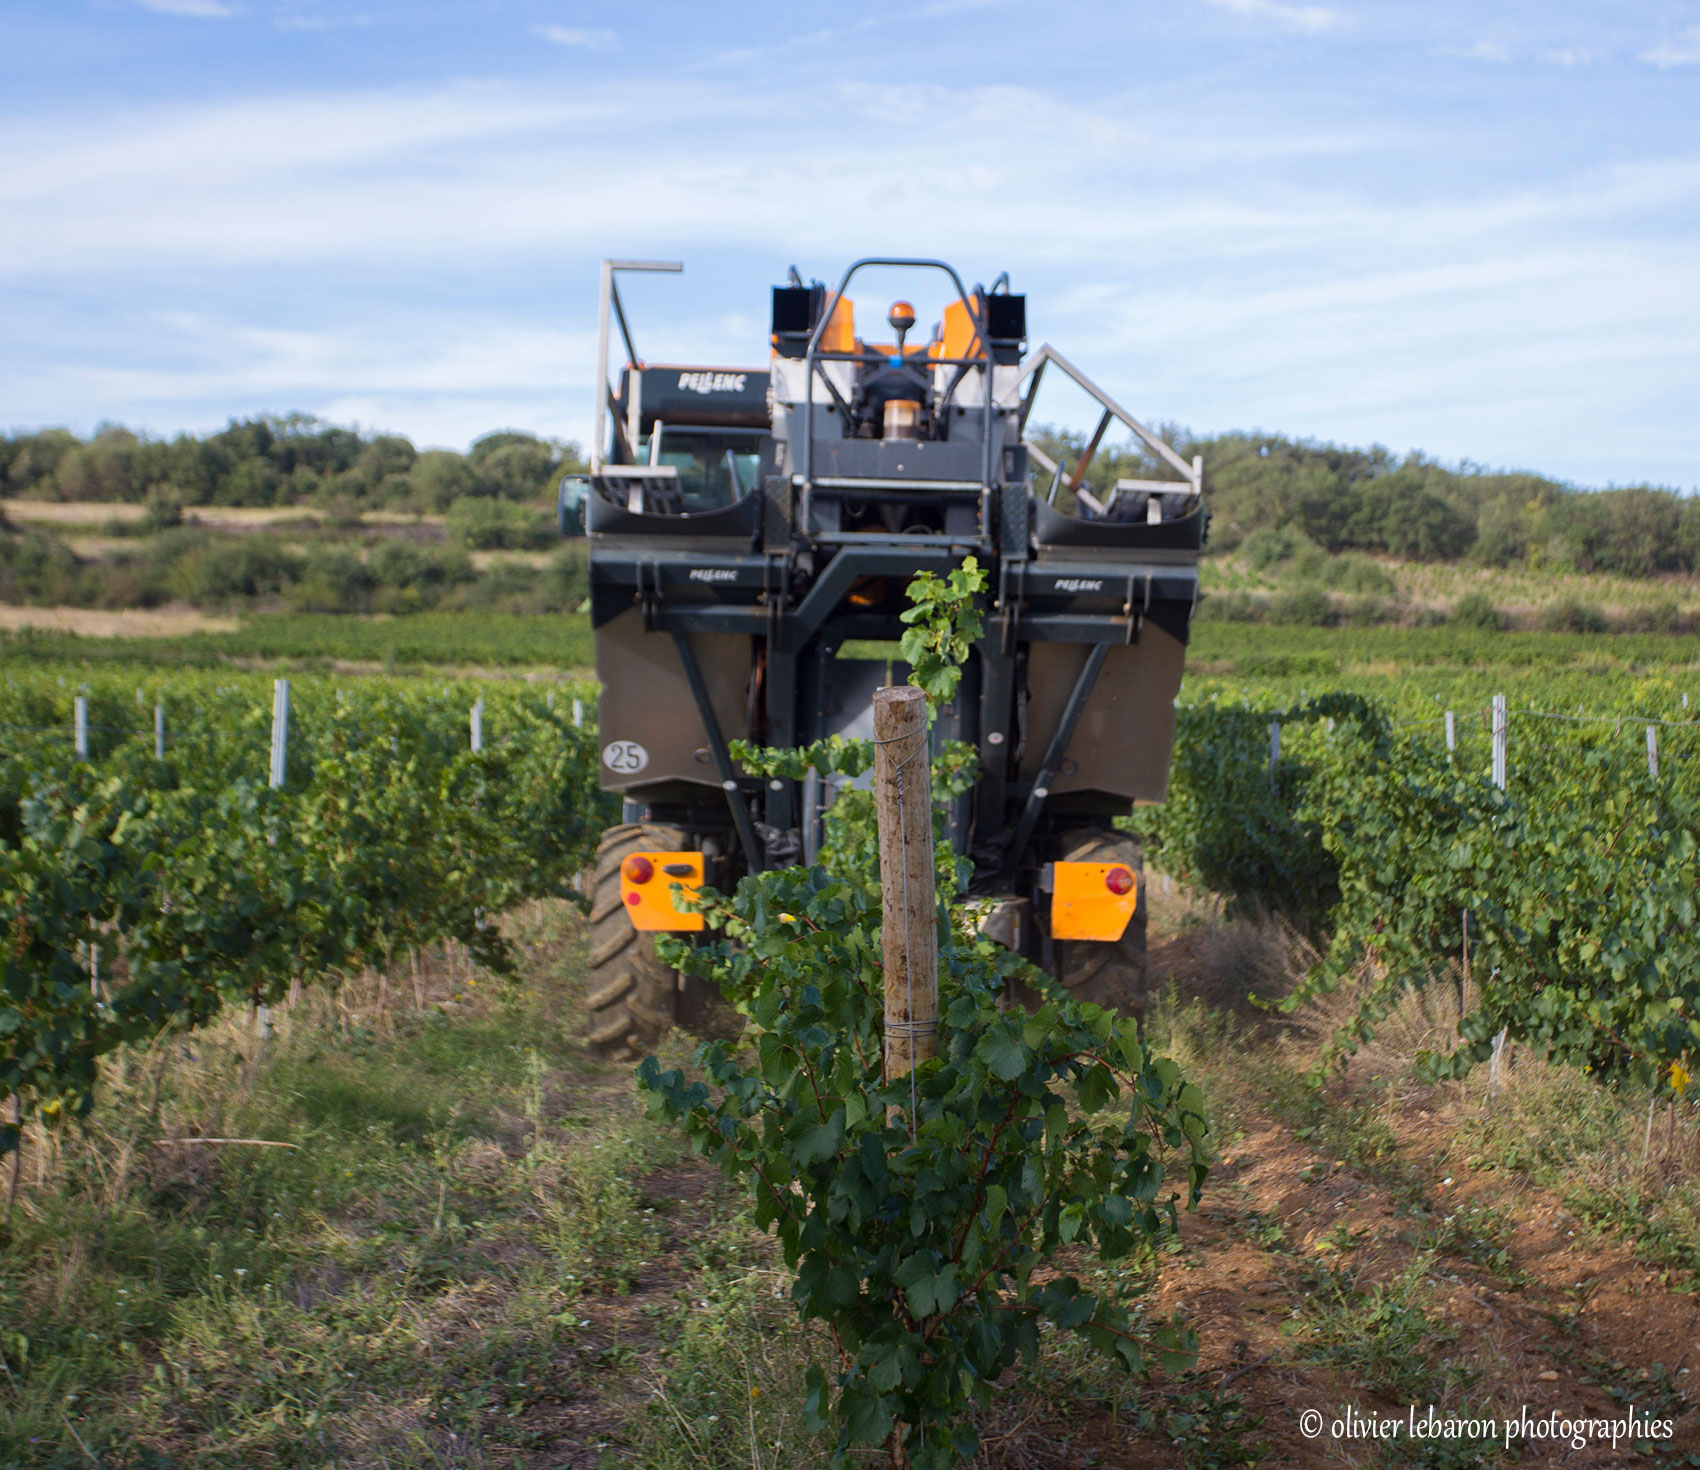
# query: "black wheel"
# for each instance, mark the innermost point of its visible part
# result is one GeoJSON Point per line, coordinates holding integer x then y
{"type": "Point", "coordinates": [1109, 973]}
{"type": "Point", "coordinates": [633, 999]}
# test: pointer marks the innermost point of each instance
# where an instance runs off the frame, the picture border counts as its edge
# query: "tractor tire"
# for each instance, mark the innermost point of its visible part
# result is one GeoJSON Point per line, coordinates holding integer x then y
{"type": "Point", "coordinates": [633, 999]}
{"type": "Point", "coordinates": [1109, 973]}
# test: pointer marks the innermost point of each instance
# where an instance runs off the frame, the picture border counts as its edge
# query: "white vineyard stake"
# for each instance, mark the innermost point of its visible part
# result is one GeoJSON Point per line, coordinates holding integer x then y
{"type": "Point", "coordinates": [478, 725]}
{"type": "Point", "coordinates": [280, 732]}
{"type": "Point", "coordinates": [1499, 720]}
{"type": "Point", "coordinates": [1451, 732]}
{"type": "Point", "coordinates": [1499, 781]}
{"type": "Point", "coordinates": [1498, 1048]}
{"type": "Point", "coordinates": [1464, 979]}
{"type": "Point", "coordinates": [578, 712]}
{"type": "Point", "coordinates": [80, 726]}
{"type": "Point", "coordinates": [279, 771]}
{"type": "Point", "coordinates": [1652, 752]}
{"type": "Point", "coordinates": [159, 732]}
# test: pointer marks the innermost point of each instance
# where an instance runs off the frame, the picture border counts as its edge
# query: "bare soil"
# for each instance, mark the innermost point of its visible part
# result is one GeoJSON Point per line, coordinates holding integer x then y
{"type": "Point", "coordinates": [1559, 1318]}
{"type": "Point", "coordinates": [95, 622]}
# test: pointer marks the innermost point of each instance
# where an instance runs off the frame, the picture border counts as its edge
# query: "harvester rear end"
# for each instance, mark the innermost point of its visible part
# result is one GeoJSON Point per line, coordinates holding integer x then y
{"type": "Point", "coordinates": [752, 534]}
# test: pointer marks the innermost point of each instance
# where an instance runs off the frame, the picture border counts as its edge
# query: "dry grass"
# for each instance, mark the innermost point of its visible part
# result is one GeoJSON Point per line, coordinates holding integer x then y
{"type": "Point", "coordinates": [93, 622]}
{"type": "Point", "coordinates": [71, 512]}
{"type": "Point", "coordinates": [245, 517]}
{"type": "Point", "coordinates": [1519, 592]}
{"type": "Point", "coordinates": [257, 517]}
{"type": "Point", "coordinates": [484, 560]}
{"type": "Point", "coordinates": [98, 548]}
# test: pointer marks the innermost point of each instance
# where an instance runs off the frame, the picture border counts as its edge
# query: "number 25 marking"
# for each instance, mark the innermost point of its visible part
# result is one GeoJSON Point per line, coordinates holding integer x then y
{"type": "Point", "coordinates": [625, 757]}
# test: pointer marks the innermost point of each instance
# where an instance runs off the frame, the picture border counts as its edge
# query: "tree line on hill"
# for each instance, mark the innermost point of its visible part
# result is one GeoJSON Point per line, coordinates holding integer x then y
{"type": "Point", "coordinates": [1336, 498]}
{"type": "Point", "coordinates": [1370, 500]}
{"type": "Point", "coordinates": [290, 459]}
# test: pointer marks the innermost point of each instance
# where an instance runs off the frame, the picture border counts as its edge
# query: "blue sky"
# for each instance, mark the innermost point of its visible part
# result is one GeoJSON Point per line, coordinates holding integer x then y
{"type": "Point", "coordinates": [1472, 229]}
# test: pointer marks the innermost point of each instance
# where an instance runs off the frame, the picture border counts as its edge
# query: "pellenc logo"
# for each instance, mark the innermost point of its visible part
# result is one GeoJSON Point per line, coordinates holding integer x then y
{"type": "Point", "coordinates": [1079, 584]}
{"type": "Point", "coordinates": [713, 574]}
{"type": "Point", "coordinates": [713, 382]}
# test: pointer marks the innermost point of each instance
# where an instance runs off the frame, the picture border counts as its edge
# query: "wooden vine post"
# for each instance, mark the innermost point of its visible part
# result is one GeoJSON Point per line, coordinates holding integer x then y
{"type": "Point", "coordinates": [909, 936]}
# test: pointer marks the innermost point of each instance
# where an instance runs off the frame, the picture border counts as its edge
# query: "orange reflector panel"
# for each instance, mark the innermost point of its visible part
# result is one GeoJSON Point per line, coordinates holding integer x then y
{"type": "Point", "coordinates": [1085, 903]}
{"type": "Point", "coordinates": [650, 904]}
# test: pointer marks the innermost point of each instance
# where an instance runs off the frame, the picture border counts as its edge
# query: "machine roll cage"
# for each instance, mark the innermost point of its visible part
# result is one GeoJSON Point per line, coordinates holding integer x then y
{"type": "Point", "coordinates": [814, 356]}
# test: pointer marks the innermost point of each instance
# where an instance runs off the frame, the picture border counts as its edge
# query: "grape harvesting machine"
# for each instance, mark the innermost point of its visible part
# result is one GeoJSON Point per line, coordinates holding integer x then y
{"type": "Point", "coordinates": [752, 534]}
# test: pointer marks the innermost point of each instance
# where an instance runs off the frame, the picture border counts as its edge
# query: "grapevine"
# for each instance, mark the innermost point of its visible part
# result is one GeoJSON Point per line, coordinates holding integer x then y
{"type": "Point", "coordinates": [140, 895]}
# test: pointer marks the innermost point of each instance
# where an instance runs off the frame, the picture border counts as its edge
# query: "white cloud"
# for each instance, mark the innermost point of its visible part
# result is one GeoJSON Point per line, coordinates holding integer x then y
{"type": "Point", "coordinates": [1683, 51]}
{"type": "Point", "coordinates": [205, 149]}
{"type": "Point", "coordinates": [199, 9]}
{"type": "Point", "coordinates": [1568, 56]}
{"type": "Point", "coordinates": [441, 377]}
{"type": "Point", "coordinates": [294, 20]}
{"type": "Point", "coordinates": [1310, 19]}
{"type": "Point", "coordinates": [1476, 51]}
{"type": "Point", "coordinates": [312, 239]}
{"type": "Point", "coordinates": [588, 40]}
{"type": "Point", "coordinates": [827, 36]}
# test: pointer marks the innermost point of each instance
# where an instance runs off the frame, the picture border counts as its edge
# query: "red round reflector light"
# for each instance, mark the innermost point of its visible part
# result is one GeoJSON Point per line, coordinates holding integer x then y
{"type": "Point", "coordinates": [1118, 880]}
{"type": "Point", "coordinates": [639, 869]}
{"type": "Point", "coordinates": [633, 899]}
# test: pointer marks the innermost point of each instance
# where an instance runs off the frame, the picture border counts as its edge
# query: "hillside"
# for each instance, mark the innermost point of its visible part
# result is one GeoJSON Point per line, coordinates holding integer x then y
{"type": "Point", "coordinates": [291, 514]}
{"type": "Point", "coordinates": [1339, 499]}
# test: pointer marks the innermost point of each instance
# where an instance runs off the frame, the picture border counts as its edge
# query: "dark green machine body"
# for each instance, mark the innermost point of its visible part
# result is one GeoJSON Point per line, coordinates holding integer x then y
{"type": "Point", "coordinates": [748, 530]}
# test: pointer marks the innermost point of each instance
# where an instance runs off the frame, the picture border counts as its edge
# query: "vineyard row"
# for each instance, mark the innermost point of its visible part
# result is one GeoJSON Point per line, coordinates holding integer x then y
{"type": "Point", "coordinates": [1577, 860]}
{"type": "Point", "coordinates": [202, 879]}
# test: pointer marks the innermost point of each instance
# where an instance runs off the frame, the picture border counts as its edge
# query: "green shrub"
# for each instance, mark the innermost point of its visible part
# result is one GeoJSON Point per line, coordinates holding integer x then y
{"type": "Point", "coordinates": [333, 580]}
{"type": "Point", "coordinates": [1659, 617]}
{"type": "Point", "coordinates": [1272, 545]}
{"type": "Point", "coordinates": [507, 587]}
{"type": "Point", "coordinates": [1364, 612]}
{"type": "Point", "coordinates": [221, 572]}
{"type": "Point", "coordinates": [567, 581]}
{"type": "Point", "coordinates": [165, 508]}
{"type": "Point", "coordinates": [1302, 605]}
{"type": "Point", "coordinates": [1310, 564]}
{"type": "Point", "coordinates": [484, 524]}
{"type": "Point", "coordinates": [1476, 610]}
{"type": "Point", "coordinates": [38, 568]}
{"type": "Point", "coordinates": [399, 564]}
{"type": "Point", "coordinates": [439, 478]}
{"type": "Point", "coordinates": [1570, 615]}
{"type": "Point", "coordinates": [1226, 607]}
{"type": "Point", "coordinates": [1352, 572]}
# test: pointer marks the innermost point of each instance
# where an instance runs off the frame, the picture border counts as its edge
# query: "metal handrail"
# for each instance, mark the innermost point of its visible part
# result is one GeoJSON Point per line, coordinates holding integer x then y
{"type": "Point", "coordinates": [813, 356]}
{"type": "Point", "coordinates": [1193, 473]}
{"type": "Point", "coordinates": [610, 305]}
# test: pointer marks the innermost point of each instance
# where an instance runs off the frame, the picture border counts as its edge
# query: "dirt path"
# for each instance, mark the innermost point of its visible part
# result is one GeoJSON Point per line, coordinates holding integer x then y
{"type": "Point", "coordinates": [1343, 1261]}
{"type": "Point", "coordinates": [485, 1255]}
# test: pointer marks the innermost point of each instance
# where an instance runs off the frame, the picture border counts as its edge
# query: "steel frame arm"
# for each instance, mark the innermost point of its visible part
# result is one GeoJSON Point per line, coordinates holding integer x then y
{"type": "Point", "coordinates": [1192, 474]}
{"type": "Point", "coordinates": [1057, 750]}
{"type": "Point", "coordinates": [722, 756]}
{"type": "Point", "coordinates": [609, 307]}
